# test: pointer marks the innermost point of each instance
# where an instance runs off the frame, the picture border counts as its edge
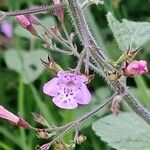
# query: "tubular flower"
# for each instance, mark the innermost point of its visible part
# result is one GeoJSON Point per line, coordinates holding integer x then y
{"type": "Point", "coordinates": [68, 90]}
{"type": "Point", "coordinates": [27, 21]}
{"type": "Point", "coordinates": [5, 114]}
{"type": "Point", "coordinates": [136, 68]}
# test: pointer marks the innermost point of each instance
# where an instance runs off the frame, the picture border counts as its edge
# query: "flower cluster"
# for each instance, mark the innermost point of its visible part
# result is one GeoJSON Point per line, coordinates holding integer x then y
{"type": "Point", "coordinates": [68, 90]}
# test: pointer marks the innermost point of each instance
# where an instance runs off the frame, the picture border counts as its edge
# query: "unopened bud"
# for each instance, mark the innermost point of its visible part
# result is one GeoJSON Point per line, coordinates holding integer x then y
{"type": "Point", "coordinates": [115, 105]}
{"type": "Point", "coordinates": [41, 133]}
{"type": "Point", "coordinates": [113, 75]}
{"type": "Point", "coordinates": [40, 119]}
{"type": "Point", "coordinates": [26, 22]}
{"type": "Point", "coordinates": [59, 11]}
{"type": "Point", "coordinates": [81, 138]}
{"type": "Point", "coordinates": [5, 114]}
{"type": "Point", "coordinates": [127, 56]}
{"type": "Point", "coordinates": [33, 19]}
{"type": "Point", "coordinates": [32, 30]}
{"type": "Point", "coordinates": [52, 65]}
{"type": "Point", "coordinates": [88, 78]}
{"type": "Point", "coordinates": [135, 68]}
{"type": "Point", "coordinates": [47, 40]}
{"type": "Point", "coordinates": [56, 31]}
{"type": "Point", "coordinates": [60, 145]}
{"type": "Point", "coordinates": [22, 123]}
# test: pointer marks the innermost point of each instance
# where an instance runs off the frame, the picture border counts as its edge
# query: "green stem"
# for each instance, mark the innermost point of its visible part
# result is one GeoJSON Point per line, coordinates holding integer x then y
{"type": "Point", "coordinates": [5, 146]}
{"type": "Point", "coordinates": [21, 111]}
{"type": "Point", "coordinates": [142, 88]}
{"type": "Point", "coordinates": [68, 118]}
{"type": "Point", "coordinates": [41, 105]}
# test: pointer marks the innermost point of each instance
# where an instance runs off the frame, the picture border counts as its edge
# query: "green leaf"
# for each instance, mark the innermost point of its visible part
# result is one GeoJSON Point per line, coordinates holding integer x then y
{"type": "Point", "coordinates": [26, 63]}
{"type": "Point", "coordinates": [125, 132]}
{"type": "Point", "coordinates": [129, 34]}
{"type": "Point", "coordinates": [10, 136]}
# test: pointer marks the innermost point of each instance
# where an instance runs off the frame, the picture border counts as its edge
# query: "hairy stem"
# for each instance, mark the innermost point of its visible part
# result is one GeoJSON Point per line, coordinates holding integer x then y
{"type": "Point", "coordinates": [88, 40]}
{"type": "Point", "coordinates": [36, 10]}
{"type": "Point", "coordinates": [79, 121]}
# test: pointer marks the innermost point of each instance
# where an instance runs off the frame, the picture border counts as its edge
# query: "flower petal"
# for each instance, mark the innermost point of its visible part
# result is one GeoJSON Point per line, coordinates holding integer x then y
{"type": "Point", "coordinates": [65, 104]}
{"type": "Point", "coordinates": [51, 88]}
{"type": "Point", "coordinates": [5, 114]}
{"type": "Point", "coordinates": [83, 96]}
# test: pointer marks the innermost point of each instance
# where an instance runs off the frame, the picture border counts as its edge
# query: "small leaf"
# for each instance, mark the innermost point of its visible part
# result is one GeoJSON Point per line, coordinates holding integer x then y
{"type": "Point", "coordinates": [125, 132]}
{"type": "Point", "coordinates": [27, 64]}
{"type": "Point", "coordinates": [129, 34]}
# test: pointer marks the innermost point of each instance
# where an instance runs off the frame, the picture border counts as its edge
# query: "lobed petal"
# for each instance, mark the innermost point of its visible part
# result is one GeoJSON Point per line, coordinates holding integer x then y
{"type": "Point", "coordinates": [52, 88]}
{"type": "Point", "coordinates": [65, 104]}
{"type": "Point", "coordinates": [83, 96]}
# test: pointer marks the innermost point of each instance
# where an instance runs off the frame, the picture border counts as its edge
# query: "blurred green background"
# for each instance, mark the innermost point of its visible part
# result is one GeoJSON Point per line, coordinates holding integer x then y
{"type": "Point", "coordinates": [26, 98]}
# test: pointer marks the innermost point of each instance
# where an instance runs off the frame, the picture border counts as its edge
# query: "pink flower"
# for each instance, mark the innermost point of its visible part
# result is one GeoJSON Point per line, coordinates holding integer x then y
{"type": "Point", "coordinates": [136, 68]}
{"type": "Point", "coordinates": [5, 114]}
{"type": "Point", "coordinates": [59, 11]}
{"type": "Point", "coordinates": [68, 90]}
{"type": "Point", "coordinates": [7, 29]}
{"type": "Point", "coordinates": [23, 21]}
{"type": "Point", "coordinates": [27, 21]}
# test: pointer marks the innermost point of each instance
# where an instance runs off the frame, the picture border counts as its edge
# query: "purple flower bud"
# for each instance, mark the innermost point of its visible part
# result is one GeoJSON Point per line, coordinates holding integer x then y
{"type": "Point", "coordinates": [23, 21]}
{"type": "Point", "coordinates": [68, 90]}
{"type": "Point", "coordinates": [135, 68]}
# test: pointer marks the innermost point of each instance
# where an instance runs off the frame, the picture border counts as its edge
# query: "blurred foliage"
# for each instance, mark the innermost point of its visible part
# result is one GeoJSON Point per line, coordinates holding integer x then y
{"type": "Point", "coordinates": [121, 132]}
{"type": "Point", "coordinates": [27, 98]}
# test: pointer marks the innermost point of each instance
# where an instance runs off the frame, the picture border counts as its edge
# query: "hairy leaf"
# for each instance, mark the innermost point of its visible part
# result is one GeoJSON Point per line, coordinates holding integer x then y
{"type": "Point", "coordinates": [125, 132]}
{"type": "Point", "coordinates": [27, 64]}
{"type": "Point", "coordinates": [129, 34]}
